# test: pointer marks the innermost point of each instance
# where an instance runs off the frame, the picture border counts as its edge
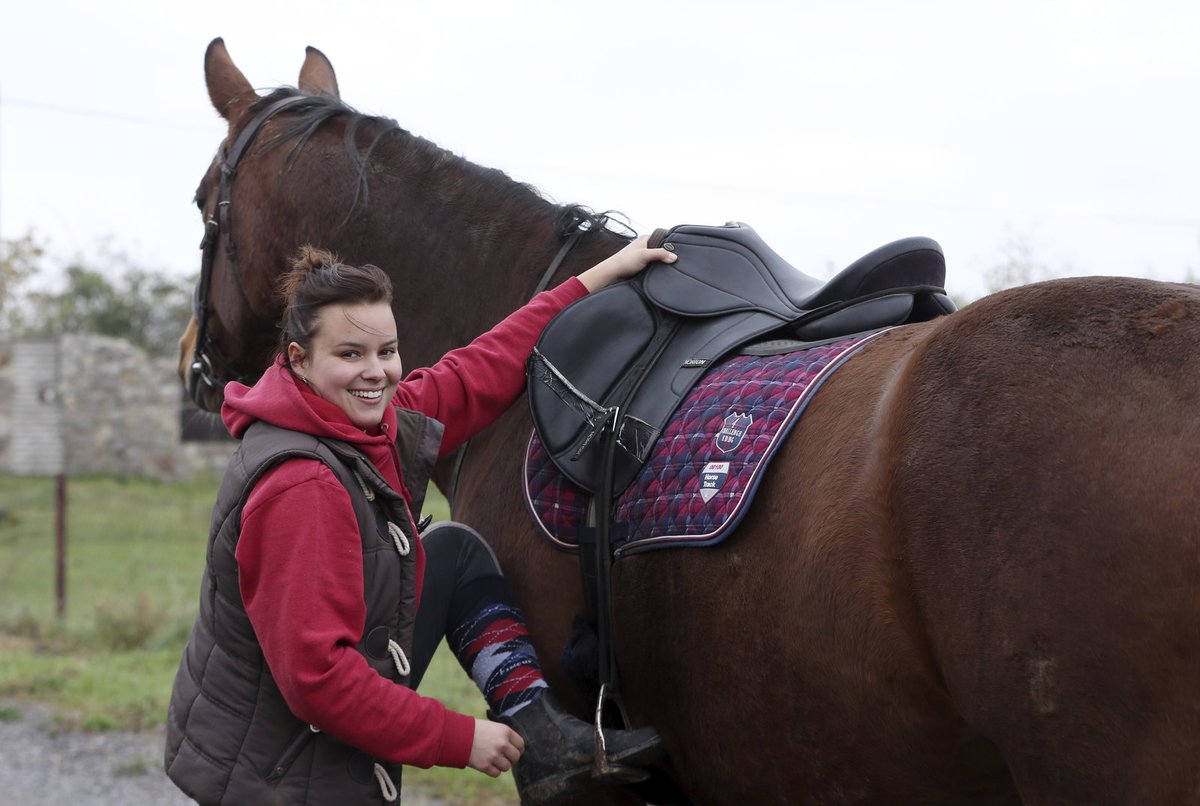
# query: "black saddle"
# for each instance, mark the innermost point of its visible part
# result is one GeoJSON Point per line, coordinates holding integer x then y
{"type": "Point", "coordinates": [625, 357]}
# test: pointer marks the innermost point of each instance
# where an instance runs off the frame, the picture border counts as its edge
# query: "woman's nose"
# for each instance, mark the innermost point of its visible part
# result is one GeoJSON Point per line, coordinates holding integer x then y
{"type": "Point", "coordinates": [373, 368]}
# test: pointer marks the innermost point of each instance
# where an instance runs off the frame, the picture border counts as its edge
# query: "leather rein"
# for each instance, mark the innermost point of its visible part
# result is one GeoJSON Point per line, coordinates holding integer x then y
{"type": "Point", "coordinates": [208, 369]}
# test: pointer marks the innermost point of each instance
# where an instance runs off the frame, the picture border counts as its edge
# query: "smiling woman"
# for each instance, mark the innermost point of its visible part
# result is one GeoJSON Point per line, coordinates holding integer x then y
{"type": "Point", "coordinates": [345, 350]}
{"type": "Point", "coordinates": [352, 362]}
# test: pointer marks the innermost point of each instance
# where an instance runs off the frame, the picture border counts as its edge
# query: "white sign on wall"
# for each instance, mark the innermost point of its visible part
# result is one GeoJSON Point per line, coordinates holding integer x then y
{"type": "Point", "coordinates": [36, 447]}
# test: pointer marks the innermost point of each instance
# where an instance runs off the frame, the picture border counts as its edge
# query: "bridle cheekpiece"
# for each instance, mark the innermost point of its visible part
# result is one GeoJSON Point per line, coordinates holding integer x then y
{"type": "Point", "coordinates": [209, 369]}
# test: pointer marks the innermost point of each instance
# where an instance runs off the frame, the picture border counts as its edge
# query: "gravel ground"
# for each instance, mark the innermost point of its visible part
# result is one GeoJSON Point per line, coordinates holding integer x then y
{"type": "Point", "coordinates": [40, 765]}
{"type": "Point", "coordinates": [43, 766]}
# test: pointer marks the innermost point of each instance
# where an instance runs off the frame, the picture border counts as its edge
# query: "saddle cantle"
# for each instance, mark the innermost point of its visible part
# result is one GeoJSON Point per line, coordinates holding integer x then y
{"type": "Point", "coordinates": [625, 357]}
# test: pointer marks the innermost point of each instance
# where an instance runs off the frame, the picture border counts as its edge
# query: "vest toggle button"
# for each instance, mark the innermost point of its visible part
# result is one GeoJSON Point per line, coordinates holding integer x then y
{"type": "Point", "coordinates": [377, 642]}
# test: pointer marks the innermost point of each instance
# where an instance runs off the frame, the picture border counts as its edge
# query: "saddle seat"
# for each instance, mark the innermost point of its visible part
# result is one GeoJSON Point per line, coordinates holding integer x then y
{"type": "Point", "coordinates": [731, 268]}
{"type": "Point", "coordinates": [626, 356]}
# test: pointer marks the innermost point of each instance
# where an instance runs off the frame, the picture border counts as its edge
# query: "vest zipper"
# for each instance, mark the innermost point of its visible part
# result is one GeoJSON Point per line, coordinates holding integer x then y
{"type": "Point", "coordinates": [293, 750]}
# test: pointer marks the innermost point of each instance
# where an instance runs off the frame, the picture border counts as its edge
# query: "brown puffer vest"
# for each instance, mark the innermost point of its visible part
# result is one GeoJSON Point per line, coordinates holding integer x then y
{"type": "Point", "coordinates": [231, 738]}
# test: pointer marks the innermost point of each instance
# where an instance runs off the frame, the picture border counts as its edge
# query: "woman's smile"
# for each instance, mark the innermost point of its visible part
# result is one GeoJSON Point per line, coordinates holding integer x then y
{"type": "Point", "coordinates": [353, 361]}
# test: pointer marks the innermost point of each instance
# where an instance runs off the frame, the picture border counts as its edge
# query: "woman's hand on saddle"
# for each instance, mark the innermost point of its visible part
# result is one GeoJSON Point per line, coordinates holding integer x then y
{"type": "Point", "coordinates": [624, 264]}
{"type": "Point", "coordinates": [495, 748]}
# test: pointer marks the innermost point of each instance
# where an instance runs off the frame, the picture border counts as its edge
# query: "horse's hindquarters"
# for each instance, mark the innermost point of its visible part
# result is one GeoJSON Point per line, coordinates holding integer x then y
{"type": "Point", "coordinates": [1047, 493]}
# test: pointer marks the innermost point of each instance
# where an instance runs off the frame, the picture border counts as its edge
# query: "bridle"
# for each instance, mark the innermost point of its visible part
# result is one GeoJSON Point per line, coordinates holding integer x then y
{"type": "Point", "coordinates": [209, 369]}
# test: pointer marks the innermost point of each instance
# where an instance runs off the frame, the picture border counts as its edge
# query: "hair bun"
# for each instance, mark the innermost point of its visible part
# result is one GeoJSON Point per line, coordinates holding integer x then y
{"type": "Point", "coordinates": [318, 278]}
{"type": "Point", "coordinates": [308, 258]}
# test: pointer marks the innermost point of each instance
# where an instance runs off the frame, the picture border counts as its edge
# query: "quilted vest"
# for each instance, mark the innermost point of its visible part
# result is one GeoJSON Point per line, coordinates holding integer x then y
{"type": "Point", "coordinates": [231, 738]}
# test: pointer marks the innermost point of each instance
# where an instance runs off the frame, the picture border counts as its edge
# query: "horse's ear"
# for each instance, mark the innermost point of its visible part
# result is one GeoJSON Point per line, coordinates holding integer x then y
{"type": "Point", "coordinates": [228, 89]}
{"type": "Point", "coordinates": [316, 75]}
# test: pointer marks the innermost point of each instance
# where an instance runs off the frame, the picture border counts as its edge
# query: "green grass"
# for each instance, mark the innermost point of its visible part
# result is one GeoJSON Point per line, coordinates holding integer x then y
{"type": "Point", "coordinates": [135, 553]}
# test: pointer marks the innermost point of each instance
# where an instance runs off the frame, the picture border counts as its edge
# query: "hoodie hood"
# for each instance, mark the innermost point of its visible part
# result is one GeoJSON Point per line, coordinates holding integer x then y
{"type": "Point", "coordinates": [283, 400]}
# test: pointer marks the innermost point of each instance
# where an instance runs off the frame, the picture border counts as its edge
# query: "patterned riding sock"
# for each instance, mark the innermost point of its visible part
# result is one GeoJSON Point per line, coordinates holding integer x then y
{"type": "Point", "coordinates": [491, 642]}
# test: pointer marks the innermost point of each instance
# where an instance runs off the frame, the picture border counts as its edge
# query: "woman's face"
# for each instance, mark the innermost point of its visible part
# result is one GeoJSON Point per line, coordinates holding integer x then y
{"type": "Point", "coordinates": [353, 362]}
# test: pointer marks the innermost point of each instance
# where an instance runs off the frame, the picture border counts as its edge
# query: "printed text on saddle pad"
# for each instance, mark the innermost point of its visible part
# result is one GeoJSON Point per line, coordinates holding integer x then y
{"type": "Point", "coordinates": [699, 481]}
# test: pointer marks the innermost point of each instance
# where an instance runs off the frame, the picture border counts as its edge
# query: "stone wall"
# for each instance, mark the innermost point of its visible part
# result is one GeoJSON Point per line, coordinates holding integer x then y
{"type": "Point", "coordinates": [114, 410]}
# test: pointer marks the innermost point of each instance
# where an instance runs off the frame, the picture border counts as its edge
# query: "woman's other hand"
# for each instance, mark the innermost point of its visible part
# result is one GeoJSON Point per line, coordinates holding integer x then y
{"type": "Point", "coordinates": [495, 748]}
{"type": "Point", "coordinates": [624, 264]}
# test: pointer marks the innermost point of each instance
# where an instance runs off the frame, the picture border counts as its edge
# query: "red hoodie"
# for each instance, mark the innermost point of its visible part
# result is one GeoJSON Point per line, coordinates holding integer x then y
{"type": "Point", "coordinates": [299, 552]}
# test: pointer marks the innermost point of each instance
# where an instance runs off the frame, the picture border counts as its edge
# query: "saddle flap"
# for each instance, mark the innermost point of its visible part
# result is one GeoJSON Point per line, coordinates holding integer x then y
{"type": "Point", "coordinates": [723, 270]}
{"type": "Point", "coordinates": [591, 344]}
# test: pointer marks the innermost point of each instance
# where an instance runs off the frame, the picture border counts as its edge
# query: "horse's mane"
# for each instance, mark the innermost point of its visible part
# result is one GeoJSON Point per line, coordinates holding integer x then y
{"type": "Point", "coordinates": [314, 111]}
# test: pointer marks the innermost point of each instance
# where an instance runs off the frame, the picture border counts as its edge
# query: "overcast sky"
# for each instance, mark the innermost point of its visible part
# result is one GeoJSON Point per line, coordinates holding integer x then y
{"type": "Point", "coordinates": [1070, 128]}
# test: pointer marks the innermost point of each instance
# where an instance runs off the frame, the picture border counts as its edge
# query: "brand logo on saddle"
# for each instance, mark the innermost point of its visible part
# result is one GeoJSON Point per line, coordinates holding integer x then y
{"type": "Point", "coordinates": [733, 431]}
{"type": "Point", "coordinates": [712, 478]}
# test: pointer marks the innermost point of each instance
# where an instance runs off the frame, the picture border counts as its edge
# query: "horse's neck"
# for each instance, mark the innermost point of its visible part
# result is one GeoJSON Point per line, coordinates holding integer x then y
{"type": "Point", "coordinates": [524, 261]}
{"type": "Point", "coordinates": [504, 238]}
{"type": "Point", "coordinates": [494, 240]}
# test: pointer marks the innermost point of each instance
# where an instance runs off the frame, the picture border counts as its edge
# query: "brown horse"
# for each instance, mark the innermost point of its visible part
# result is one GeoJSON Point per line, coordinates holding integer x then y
{"type": "Point", "coordinates": [972, 576]}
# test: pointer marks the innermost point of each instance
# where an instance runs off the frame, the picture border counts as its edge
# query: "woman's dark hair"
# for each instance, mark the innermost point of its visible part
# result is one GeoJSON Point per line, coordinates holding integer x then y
{"type": "Point", "coordinates": [317, 278]}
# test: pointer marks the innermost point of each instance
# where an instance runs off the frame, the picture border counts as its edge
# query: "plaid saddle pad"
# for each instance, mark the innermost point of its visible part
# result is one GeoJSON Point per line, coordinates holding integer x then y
{"type": "Point", "coordinates": [699, 481]}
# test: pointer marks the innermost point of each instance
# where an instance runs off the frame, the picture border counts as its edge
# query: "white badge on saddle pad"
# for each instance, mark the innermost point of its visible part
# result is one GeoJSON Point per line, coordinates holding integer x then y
{"type": "Point", "coordinates": [712, 478]}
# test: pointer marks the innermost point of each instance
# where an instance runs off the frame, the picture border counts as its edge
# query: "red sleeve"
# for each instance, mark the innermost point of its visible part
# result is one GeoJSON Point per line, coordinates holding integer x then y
{"type": "Point", "coordinates": [308, 640]}
{"type": "Point", "coordinates": [471, 386]}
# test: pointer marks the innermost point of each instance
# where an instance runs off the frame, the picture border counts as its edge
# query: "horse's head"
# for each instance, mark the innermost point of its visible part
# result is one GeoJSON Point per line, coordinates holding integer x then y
{"type": "Point", "coordinates": [298, 166]}
{"type": "Point", "coordinates": [231, 335]}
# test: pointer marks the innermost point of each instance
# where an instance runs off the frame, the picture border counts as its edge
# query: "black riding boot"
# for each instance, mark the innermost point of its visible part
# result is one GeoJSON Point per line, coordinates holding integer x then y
{"type": "Point", "coordinates": [560, 752]}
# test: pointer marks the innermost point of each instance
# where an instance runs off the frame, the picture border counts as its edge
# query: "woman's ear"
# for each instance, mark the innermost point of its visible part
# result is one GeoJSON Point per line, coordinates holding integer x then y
{"type": "Point", "coordinates": [296, 355]}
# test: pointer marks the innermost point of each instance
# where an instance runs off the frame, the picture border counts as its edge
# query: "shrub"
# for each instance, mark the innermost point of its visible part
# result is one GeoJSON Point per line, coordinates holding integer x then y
{"type": "Point", "coordinates": [122, 625]}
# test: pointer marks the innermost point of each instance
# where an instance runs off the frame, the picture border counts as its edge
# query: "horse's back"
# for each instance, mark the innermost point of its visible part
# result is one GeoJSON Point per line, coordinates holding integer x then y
{"type": "Point", "coordinates": [1046, 445]}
